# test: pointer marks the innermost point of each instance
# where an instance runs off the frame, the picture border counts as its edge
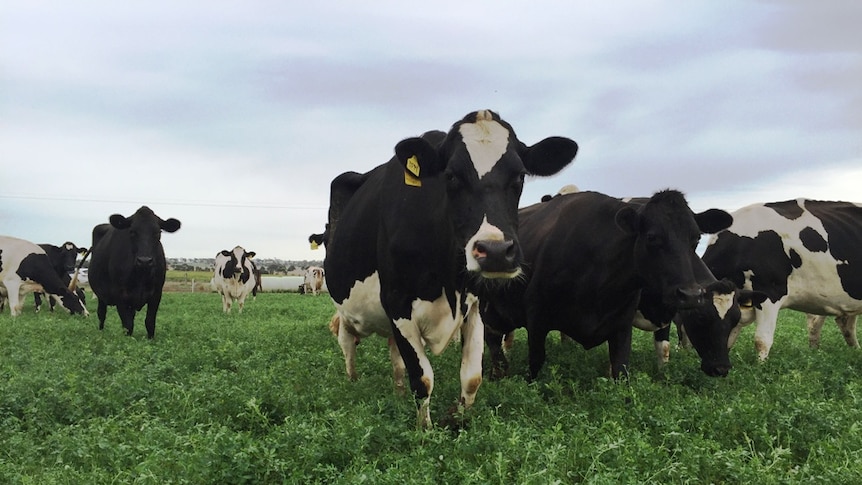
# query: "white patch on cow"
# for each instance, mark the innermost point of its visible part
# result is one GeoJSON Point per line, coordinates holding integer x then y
{"type": "Point", "coordinates": [362, 311]}
{"type": "Point", "coordinates": [722, 303]}
{"type": "Point", "coordinates": [486, 141]}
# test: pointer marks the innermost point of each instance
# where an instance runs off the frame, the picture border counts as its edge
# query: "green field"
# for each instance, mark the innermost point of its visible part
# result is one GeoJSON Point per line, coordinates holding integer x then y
{"type": "Point", "coordinates": [262, 398]}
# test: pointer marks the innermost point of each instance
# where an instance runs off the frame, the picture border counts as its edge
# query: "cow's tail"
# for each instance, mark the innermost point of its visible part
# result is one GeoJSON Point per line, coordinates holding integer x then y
{"type": "Point", "coordinates": [73, 285]}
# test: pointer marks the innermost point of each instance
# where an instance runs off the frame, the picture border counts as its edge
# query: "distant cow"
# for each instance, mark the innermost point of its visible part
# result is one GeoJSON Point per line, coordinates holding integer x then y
{"type": "Point", "coordinates": [234, 277]}
{"type": "Point", "coordinates": [128, 266]}
{"type": "Point", "coordinates": [414, 238]}
{"type": "Point", "coordinates": [314, 279]}
{"type": "Point", "coordinates": [25, 267]}
{"type": "Point", "coordinates": [590, 258]}
{"type": "Point", "coordinates": [804, 254]}
{"type": "Point", "coordinates": [63, 260]}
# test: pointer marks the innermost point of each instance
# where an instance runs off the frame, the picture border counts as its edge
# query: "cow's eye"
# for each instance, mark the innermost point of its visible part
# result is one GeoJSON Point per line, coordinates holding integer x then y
{"type": "Point", "coordinates": [452, 180]}
{"type": "Point", "coordinates": [518, 183]}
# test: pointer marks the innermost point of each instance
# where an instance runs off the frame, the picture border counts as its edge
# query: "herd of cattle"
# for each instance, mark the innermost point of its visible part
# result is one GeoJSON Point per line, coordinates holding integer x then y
{"type": "Point", "coordinates": [431, 247]}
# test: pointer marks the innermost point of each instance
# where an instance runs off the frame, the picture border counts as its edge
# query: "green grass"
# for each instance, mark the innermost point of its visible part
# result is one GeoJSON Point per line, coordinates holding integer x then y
{"type": "Point", "coordinates": [262, 398]}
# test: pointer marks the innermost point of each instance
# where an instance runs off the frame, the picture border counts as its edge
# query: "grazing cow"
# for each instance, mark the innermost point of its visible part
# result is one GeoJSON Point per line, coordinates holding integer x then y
{"type": "Point", "coordinates": [25, 267]}
{"type": "Point", "coordinates": [314, 279]}
{"type": "Point", "coordinates": [63, 260]}
{"type": "Point", "coordinates": [590, 257]}
{"type": "Point", "coordinates": [803, 254]}
{"type": "Point", "coordinates": [410, 241]}
{"type": "Point", "coordinates": [234, 276]}
{"type": "Point", "coordinates": [128, 266]}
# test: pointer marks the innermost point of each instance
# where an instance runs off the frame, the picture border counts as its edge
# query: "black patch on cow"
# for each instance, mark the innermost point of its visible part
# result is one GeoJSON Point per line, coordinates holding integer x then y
{"type": "Point", "coordinates": [812, 240]}
{"type": "Point", "coordinates": [788, 209]}
{"type": "Point", "coordinates": [795, 258]}
{"type": "Point", "coordinates": [843, 224]}
{"type": "Point", "coordinates": [731, 255]}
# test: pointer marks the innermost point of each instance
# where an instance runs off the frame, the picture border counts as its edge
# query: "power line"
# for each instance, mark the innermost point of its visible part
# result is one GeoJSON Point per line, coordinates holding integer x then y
{"type": "Point", "coordinates": [174, 203]}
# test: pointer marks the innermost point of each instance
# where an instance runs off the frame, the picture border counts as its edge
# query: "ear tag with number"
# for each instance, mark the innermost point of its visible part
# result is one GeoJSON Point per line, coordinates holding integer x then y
{"type": "Point", "coordinates": [313, 245]}
{"type": "Point", "coordinates": [411, 174]}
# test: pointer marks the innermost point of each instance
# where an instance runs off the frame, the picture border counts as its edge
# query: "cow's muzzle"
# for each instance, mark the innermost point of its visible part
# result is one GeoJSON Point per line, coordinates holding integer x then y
{"type": "Point", "coordinates": [692, 297]}
{"type": "Point", "coordinates": [496, 257]}
{"type": "Point", "coordinates": [715, 370]}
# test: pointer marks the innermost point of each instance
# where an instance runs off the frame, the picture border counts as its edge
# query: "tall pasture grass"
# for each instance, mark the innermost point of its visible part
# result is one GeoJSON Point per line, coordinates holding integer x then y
{"type": "Point", "coordinates": [262, 397]}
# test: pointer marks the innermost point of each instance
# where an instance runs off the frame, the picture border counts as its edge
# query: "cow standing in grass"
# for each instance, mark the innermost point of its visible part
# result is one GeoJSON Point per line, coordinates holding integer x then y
{"type": "Point", "coordinates": [803, 254]}
{"type": "Point", "coordinates": [128, 267]}
{"type": "Point", "coordinates": [234, 277]}
{"type": "Point", "coordinates": [411, 241]}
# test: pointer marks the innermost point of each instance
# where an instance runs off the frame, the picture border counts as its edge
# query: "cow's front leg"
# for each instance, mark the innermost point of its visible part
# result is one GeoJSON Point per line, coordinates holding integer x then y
{"type": "Point", "coordinates": [150, 320]}
{"type": "Point", "coordinates": [398, 369]}
{"type": "Point", "coordinates": [102, 313]}
{"type": "Point", "coordinates": [619, 350]}
{"type": "Point", "coordinates": [127, 317]}
{"type": "Point", "coordinates": [536, 349]}
{"type": "Point", "coordinates": [472, 346]}
{"type": "Point", "coordinates": [412, 350]}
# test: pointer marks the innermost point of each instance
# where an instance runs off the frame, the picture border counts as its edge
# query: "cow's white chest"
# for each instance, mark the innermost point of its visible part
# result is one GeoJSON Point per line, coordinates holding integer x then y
{"type": "Point", "coordinates": [436, 322]}
{"type": "Point", "coordinates": [235, 288]}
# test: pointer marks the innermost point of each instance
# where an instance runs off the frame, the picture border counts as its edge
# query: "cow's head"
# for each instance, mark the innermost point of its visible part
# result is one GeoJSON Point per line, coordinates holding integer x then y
{"type": "Point", "coordinates": [70, 252]}
{"type": "Point", "coordinates": [666, 233]}
{"type": "Point", "coordinates": [708, 325]}
{"type": "Point", "coordinates": [483, 164]}
{"type": "Point", "coordinates": [235, 263]}
{"type": "Point", "coordinates": [145, 233]}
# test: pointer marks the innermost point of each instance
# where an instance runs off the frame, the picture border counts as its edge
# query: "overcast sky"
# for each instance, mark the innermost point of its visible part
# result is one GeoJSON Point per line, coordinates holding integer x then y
{"type": "Point", "coordinates": [234, 116]}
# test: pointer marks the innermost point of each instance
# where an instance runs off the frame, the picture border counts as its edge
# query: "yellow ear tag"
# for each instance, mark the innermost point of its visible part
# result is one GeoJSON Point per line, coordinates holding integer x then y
{"type": "Point", "coordinates": [411, 174]}
{"type": "Point", "coordinates": [413, 165]}
{"type": "Point", "coordinates": [313, 245]}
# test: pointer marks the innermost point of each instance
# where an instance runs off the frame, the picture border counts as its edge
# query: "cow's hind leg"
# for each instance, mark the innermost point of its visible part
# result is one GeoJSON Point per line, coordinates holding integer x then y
{"type": "Point", "coordinates": [536, 350]}
{"type": "Point", "coordinates": [102, 313]}
{"type": "Point", "coordinates": [815, 326]}
{"type": "Point", "coordinates": [847, 324]}
{"type": "Point", "coordinates": [398, 369]}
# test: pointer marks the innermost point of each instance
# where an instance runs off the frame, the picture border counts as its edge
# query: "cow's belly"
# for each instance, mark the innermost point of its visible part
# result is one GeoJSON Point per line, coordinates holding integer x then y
{"type": "Point", "coordinates": [235, 288]}
{"type": "Point", "coordinates": [362, 311]}
{"type": "Point", "coordinates": [820, 293]}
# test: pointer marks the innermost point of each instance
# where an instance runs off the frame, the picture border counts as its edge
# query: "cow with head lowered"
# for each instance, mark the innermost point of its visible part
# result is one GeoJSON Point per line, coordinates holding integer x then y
{"type": "Point", "coordinates": [234, 277]}
{"type": "Point", "coordinates": [128, 267]}
{"type": "Point", "coordinates": [63, 260]}
{"type": "Point", "coordinates": [589, 258]}
{"type": "Point", "coordinates": [25, 267]}
{"type": "Point", "coordinates": [804, 254]}
{"type": "Point", "coordinates": [411, 241]}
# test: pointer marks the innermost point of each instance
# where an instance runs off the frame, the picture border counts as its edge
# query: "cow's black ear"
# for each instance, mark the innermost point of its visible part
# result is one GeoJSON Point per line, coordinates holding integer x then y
{"type": "Point", "coordinates": [224, 252]}
{"type": "Point", "coordinates": [418, 157]}
{"type": "Point", "coordinates": [627, 219]}
{"type": "Point", "coordinates": [170, 225]}
{"type": "Point", "coordinates": [119, 221]}
{"type": "Point", "coordinates": [82, 250]}
{"type": "Point", "coordinates": [250, 254]}
{"type": "Point", "coordinates": [711, 221]}
{"type": "Point", "coordinates": [549, 156]}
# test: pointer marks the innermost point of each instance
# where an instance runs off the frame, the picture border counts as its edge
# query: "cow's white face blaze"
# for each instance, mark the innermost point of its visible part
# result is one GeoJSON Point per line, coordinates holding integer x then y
{"type": "Point", "coordinates": [486, 141]}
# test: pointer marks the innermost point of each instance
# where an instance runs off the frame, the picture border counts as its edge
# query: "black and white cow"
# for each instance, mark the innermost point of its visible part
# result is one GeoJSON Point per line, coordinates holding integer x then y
{"type": "Point", "coordinates": [410, 241]}
{"type": "Point", "coordinates": [128, 266]}
{"type": "Point", "coordinates": [234, 277]}
{"type": "Point", "coordinates": [711, 322]}
{"type": "Point", "coordinates": [63, 260]}
{"type": "Point", "coordinates": [25, 267]}
{"type": "Point", "coordinates": [803, 254]}
{"type": "Point", "coordinates": [589, 258]}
